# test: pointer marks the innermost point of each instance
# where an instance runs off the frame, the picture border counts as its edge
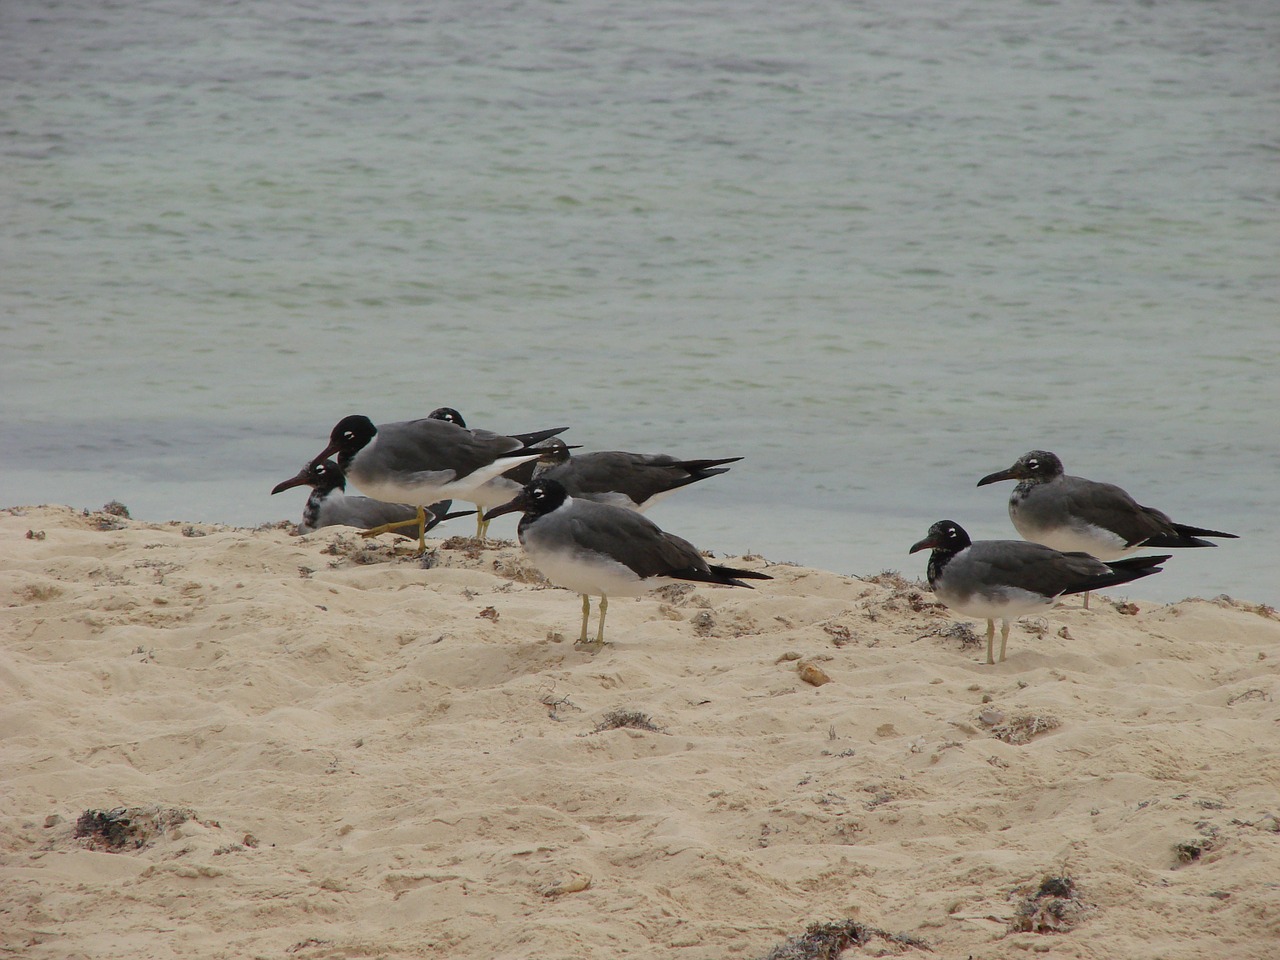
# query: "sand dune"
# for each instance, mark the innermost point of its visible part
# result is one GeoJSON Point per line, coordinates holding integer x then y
{"type": "Point", "coordinates": [327, 750]}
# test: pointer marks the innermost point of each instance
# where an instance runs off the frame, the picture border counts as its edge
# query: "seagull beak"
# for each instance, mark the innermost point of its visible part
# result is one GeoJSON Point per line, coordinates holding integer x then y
{"type": "Point", "coordinates": [518, 504]}
{"type": "Point", "coordinates": [1010, 474]}
{"type": "Point", "coordinates": [325, 454]}
{"type": "Point", "coordinates": [299, 480]}
{"type": "Point", "coordinates": [925, 544]}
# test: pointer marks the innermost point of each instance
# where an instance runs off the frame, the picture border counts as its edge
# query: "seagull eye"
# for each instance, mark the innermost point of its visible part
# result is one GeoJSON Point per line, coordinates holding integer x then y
{"type": "Point", "coordinates": [1033, 464]}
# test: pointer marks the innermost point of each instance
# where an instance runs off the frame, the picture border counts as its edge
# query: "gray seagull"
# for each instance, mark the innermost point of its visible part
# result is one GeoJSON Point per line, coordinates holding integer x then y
{"type": "Point", "coordinates": [420, 462]}
{"type": "Point", "coordinates": [633, 480]}
{"type": "Point", "coordinates": [598, 549]}
{"type": "Point", "coordinates": [1006, 579]}
{"type": "Point", "coordinates": [1072, 513]}
{"type": "Point", "coordinates": [329, 505]}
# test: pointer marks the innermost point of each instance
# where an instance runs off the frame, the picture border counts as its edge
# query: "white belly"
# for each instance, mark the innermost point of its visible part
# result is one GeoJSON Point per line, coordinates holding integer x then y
{"type": "Point", "coordinates": [591, 574]}
{"type": "Point", "coordinates": [1007, 603]}
{"type": "Point", "coordinates": [1085, 538]}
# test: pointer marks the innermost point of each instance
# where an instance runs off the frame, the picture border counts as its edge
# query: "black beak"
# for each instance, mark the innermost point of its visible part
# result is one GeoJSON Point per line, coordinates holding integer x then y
{"type": "Point", "coordinates": [925, 544]}
{"type": "Point", "coordinates": [302, 477]}
{"type": "Point", "coordinates": [325, 454]}
{"type": "Point", "coordinates": [1010, 474]}
{"type": "Point", "coordinates": [520, 503]}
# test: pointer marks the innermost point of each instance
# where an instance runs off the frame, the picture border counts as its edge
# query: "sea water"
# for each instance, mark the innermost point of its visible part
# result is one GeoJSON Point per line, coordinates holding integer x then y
{"type": "Point", "coordinates": [878, 249]}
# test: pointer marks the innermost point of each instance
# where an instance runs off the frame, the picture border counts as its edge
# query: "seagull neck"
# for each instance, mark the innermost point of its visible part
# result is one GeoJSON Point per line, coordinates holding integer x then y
{"type": "Point", "coordinates": [1025, 487]}
{"type": "Point", "coordinates": [938, 561]}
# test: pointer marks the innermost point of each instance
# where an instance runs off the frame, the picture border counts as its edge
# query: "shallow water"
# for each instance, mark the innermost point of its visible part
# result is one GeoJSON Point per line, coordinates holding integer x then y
{"type": "Point", "coordinates": [878, 251]}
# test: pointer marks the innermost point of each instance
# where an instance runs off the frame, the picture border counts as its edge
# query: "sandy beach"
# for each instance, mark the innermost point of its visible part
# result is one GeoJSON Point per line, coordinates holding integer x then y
{"type": "Point", "coordinates": [314, 747]}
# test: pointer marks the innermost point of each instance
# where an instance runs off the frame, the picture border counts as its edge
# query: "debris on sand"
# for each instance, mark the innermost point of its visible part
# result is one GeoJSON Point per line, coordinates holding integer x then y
{"type": "Point", "coordinates": [1055, 907]}
{"type": "Point", "coordinates": [1024, 727]}
{"type": "Point", "coordinates": [130, 828]}
{"type": "Point", "coordinates": [827, 941]}
{"type": "Point", "coordinates": [616, 719]}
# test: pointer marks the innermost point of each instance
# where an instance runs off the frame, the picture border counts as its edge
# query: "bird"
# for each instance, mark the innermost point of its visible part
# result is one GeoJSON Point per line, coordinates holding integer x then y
{"type": "Point", "coordinates": [598, 549]}
{"type": "Point", "coordinates": [328, 504]}
{"type": "Point", "coordinates": [422, 461]}
{"type": "Point", "coordinates": [633, 480]}
{"type": "Point", "coordinates": [1072, 513]}
{"type": "Point", "coordinates": [1006, 579]}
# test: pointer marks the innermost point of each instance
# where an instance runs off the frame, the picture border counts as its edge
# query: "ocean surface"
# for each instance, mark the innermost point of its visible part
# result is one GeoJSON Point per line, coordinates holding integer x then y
{"type": "Point", "coordinates": [878, 249]}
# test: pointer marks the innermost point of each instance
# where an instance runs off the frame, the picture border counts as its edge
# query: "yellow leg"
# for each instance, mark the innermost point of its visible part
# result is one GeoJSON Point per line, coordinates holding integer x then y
{"type": "Point", "coordinates": [1004, 638]}
{"type": "Point", "coordinates": [604, 608]}
{"type": "Point", "coordinates": [388, 527]}
{"type": "Point", "coordinates": [991, 636]}
{"type": "Point", "coordinates": [482, 525]}
{"type": "Point", "coordinates": [420, 521]}
{"type": "Point", "coordinates": [422, 531]}
{"type": "Point", "coordinates": [586, 612]}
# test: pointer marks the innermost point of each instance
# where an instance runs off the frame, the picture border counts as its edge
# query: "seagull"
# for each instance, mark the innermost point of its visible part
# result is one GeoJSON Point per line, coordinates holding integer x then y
{"type": "Point", "coordinates": [422, 461]}
{"type": "Point", "coordinates": [633, 480]}
{"type": "Point", "coordinates": [1006, 579]}
{"type": "Point", "coordinates": [1072, 513]}
{"type": "Point", "coordinates": [328, 504]}
{"type": "Point", "coordinates": [598, 549]}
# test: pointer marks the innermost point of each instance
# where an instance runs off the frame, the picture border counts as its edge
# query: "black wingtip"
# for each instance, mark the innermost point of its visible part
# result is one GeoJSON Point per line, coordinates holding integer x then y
{"type": "Point", "coordinates": [1138, 563]}
{"type": "Point", "coordinates": [1194, 532]}
{"type": "Point", "coordinates": [734, 576]}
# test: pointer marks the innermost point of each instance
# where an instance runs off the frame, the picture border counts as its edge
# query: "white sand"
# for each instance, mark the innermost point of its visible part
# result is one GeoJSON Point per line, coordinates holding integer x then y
{"type": "Point", "coordinates": [376, 772]}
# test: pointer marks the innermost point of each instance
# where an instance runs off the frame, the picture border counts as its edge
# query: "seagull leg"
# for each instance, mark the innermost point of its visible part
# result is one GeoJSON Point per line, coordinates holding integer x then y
{"type": "Point", "coordinates": [482, 525]}
{"type": "Point", "coordinates": [991, 636]}
{"type": "Point", "coordinates": [604, 607]}
{"type": "Point", "coordinates": [1086, 599]}
{"type": "Point", "coordinates": [1004, 637]}
{"type": "Point", "coordinates": [586, 612]}
{"type": "Point", "coordinates": [420, 521]}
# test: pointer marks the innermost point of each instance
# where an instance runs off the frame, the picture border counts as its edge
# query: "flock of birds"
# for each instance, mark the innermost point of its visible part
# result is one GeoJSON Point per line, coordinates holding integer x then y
{"type": "Point", "coordinates": [582, 520]}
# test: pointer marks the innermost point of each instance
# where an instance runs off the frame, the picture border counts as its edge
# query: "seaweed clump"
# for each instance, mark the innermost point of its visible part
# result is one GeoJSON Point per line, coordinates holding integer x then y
{"type": "Point", "coordinates": [616, 719]}
{"type": "Point", "coordinates": [128, 828]}
{"type": "Point", "coordinates": [826, 941]}
{"type": "Point", "coordinates": [1055, 907]}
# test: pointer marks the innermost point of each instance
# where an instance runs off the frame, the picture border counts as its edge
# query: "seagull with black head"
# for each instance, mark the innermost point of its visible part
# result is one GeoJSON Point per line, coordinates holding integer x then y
{"type": "Point", "coordinates": [602, 550]}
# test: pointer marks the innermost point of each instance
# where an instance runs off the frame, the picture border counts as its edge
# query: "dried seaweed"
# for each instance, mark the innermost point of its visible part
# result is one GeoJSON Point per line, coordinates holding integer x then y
{"type": "Point", "coordinates": [1023, 728]}
{"type": "Point", "coordinates": [1055, 907]}
{"type": "Point", "coordinates": [616, 719]}
{"type": "Point", "coordinates": [128, 828]}
{"type": "Point", "coordinates": [826, 941]}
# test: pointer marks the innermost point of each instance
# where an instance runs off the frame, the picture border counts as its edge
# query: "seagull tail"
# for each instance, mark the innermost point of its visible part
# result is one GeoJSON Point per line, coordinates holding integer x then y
{"type": "Point", "coordinates": [1123, 571]}
{"type": "Point", "coordinates": [731, 575]}
{"type": "Point", "coordinates": [1188, 537]}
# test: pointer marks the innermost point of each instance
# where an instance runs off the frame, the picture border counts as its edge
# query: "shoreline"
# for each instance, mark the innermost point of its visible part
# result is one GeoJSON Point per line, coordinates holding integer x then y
{"type": "Point", "coordinates": [372, 758]}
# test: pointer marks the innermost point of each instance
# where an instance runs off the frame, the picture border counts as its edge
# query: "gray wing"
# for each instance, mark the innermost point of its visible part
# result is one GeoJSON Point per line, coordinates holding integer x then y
{"type": "Point", "coordinates": [994, 565]}
{"type": "Point", "coordinates": [631, 539]}
{"type": "Point", "coordinates": [638, 476]}
{"type": "Point", "coordinates": [363, 513]}
{"type": "Point", "coordinates": [437, 451]}
{"type": "Point", "coordinates": [1110, 507]}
